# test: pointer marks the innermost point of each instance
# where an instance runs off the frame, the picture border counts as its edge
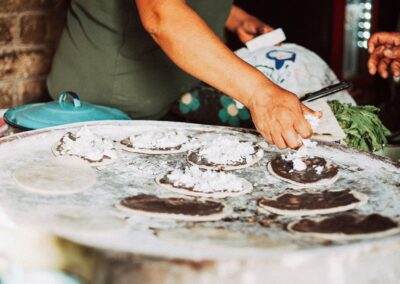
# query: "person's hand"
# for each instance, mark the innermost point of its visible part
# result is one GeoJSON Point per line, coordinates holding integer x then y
{"type": "Point", "coordinates": [384, 49]}
{"type": "Point", "coordinates": [250, 28]}
{"type": "Point", "coordinates": [279, 117]}
{"type": "Point", "coordinates": [246, 26]}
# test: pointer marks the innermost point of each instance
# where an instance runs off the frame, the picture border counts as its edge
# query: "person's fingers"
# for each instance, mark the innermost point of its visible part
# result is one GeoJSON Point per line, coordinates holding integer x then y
{"type": "Point", "coordinates": [383, 67]}
{"type": "Point", "coordinates": [251, 27]}
{"type": "Point", "coordinates": [268, 138]}
{"type": "Point", "coordinates": [373, 42]}
{"type": "Point", "coordinates": [290, 136]}
{"type": "Point", "coordinates": [306, 110]}
{"type": "Point", "coordinates": [373, 63]}
{"type": "Point", "coordinates": [263, 29]}
{"type": "Point", "coordinates": [264, 130]}
{"type": "Point", "coordinates": [395, 67]}
{"type": "Point", "coordinates": [266, 133]}
{"type": "Point", "coordinates": [243, 35]}
{"type": "Point", "coordinates": [302, 127]}
{"type": "Point", "coordinates": [372, 66]}
{"type": "Point", "coordinates": [374, 59]}
{"type": "Point", "coordinates": [288, 133]}
{"type": "Point", "coordinates": [256, 27]}
{"type": "Point", "coordinates": [276, 133]}
{"type": "Point", "coordinates": [392, 53]}
{"type": "Point", "coordinates": [383, 38]}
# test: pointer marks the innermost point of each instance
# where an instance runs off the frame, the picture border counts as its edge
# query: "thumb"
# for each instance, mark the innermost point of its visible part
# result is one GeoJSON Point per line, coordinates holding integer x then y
{"type": "Point", "coordinates": [307, 110]}
{"type": "Point", "coordinates": [392, 53]}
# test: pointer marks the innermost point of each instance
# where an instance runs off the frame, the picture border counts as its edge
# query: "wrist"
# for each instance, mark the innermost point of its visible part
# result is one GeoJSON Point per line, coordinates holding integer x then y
{"type": "Point", "coordinates": [265, 91]}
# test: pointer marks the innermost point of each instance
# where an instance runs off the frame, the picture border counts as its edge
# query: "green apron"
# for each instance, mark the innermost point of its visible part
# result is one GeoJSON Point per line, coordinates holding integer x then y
{"type": "Point", "coordinates": [107, 57]}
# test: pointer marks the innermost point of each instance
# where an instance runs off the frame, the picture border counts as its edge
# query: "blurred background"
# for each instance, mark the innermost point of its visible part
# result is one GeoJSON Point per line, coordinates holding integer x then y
{"type": "Point", "coordinates": [337, 30]}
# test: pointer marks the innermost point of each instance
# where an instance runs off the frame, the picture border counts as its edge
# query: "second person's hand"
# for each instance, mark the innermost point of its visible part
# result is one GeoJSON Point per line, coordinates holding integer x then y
{"type": "Point", "coordinates": [384, 49]}
{"type": "Point", "coordinates": [246, 26]}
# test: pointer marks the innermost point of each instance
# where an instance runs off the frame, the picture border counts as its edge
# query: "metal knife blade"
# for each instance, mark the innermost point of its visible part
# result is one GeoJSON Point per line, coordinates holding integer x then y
{"type": "Point", "coordinates": [327, 91]}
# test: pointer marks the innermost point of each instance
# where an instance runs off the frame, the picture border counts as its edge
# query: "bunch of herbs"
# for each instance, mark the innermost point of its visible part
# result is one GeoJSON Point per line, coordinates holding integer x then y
{"type": "Point", "coordinates": [364, 130]}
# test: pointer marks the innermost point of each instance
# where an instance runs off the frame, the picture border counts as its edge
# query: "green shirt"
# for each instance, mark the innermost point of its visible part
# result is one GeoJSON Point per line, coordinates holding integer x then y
{"type": "Point", "coordinates": [107, 57]}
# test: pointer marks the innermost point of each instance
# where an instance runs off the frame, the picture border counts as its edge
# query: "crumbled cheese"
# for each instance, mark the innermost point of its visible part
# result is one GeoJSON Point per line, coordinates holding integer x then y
{"type": "Point", "coordinates": [289, 156]}
{"type": "Point", "coordinates": [207, 181]}
{"type": "Point", "coordinates": [307, 143]}
{"type": "Point", "coordinates": [313, 120]}
{"type": "Point", "coordinates": [88, 146]}
{"type": "Point", "coordinates": [296, 157]}
{"type": "Point", "coordinates": [319, 169]}
{"type": "Point", "coordinates": [224, 150]}
{"type": "Point", "coordinates": [158, 139]}
{"type": "Point", "coordinates": [299, 165]}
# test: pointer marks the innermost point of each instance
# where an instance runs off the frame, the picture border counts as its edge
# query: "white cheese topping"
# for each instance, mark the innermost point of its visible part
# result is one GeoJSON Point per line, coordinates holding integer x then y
{"type": "Point", "coordinates": [158, 140]}
{"type": "Point", "coordinates": [296, 157]}
{"type": "Point", "coordinates": [319, 169]}
{"type": "Point", "coordinates": [88, 146]}
{"type": "Point", "coordinates": [299, 165]}
{"type": "Point", "coordinates": [207, 181]}
{"type": "Point", "coordinates": [225, 151]}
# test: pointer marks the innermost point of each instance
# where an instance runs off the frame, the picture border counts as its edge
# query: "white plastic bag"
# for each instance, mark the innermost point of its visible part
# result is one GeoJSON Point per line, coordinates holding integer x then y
{"type": "Point", "coordinates": [294, 68]}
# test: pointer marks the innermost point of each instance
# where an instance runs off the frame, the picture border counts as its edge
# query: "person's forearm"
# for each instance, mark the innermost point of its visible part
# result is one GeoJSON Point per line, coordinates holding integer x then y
{"type": "Point", "coordinates": [193, 46]}
{"type": "Point", "coordinates": [277, 114]}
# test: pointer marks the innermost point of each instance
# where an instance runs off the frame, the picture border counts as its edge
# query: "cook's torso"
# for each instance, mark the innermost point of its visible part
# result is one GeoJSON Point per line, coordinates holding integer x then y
{"type": "Point", "coordinates": [107, 57]}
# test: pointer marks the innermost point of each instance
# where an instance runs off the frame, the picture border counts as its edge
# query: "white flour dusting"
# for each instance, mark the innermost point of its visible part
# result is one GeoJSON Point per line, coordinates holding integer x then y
{"type": "Point", "coordinates": [224, 150]}
{"type": "Point", "coordinates": [134, 174]}
{"type": "Point", "coordinates": [87, 145]}
{"type": "Point", "coordinates": [206, 181]}
{"type": "Point", "coordinates": [158, 139]}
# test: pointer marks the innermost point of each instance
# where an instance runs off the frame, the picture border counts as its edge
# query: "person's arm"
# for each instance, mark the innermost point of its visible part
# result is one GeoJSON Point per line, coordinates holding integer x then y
{"type": "Point", "coordinates": [190, 43]}
{"type": "Point", "coordinates": [245, 25]}
{"type": "Point", "coordinates": [384, 49]}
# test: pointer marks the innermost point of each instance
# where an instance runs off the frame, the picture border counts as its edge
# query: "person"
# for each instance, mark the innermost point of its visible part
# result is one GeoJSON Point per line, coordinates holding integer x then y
{"type": "Point", "coordinates": [384, 49]}
{"type": "Point", "coordinates": [126, 54]}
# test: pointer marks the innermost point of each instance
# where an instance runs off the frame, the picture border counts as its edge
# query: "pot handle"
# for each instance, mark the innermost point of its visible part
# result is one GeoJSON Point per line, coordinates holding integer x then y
{"type": "Point", "coordinates": [65, 95]}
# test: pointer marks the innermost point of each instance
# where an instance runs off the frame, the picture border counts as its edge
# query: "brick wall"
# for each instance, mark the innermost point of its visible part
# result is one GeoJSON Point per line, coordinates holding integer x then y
{"type": "Point", "coordinates": [29, 32]}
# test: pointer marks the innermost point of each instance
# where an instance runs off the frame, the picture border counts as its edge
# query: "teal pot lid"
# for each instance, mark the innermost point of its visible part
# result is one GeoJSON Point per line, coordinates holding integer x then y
{"type": "Point", "coordinates": [63, 111]}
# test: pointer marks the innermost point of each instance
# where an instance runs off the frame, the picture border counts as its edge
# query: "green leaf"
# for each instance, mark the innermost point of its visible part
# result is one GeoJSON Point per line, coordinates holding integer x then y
{"type": "Point", "coordinates": [362, 126]}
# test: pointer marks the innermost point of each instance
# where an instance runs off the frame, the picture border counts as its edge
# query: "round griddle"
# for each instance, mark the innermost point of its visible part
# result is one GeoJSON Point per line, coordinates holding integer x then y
{"type": "Point", "coordinates": [247, 247]}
